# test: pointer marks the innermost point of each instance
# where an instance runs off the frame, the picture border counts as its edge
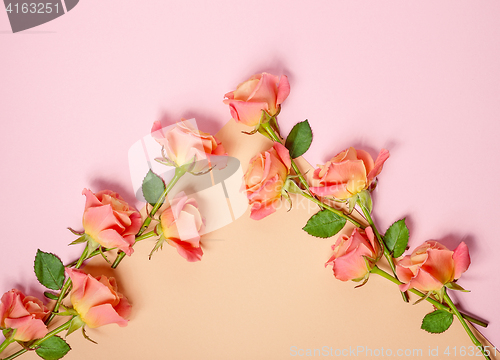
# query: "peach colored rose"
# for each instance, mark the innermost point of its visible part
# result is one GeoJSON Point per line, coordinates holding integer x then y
{"type": "Point", "coordinates": [265, 178]}
{"type": "Point", "coordinates": [348, 173]}
{"type": "Point", "coordinates": [260, 92]}
{"type": "Point", "coordinates": [25, 314]}
{"type": "Point", "coordinates": [181, 225]}
{"type": "Point", "coordinates": [97, 300]}
{"type": "Point", "coordinates": [183, 144]}
{"type": "Point", "coordinates": [431, 266]}
{"type": "Point", "coordinates": [110, 221]}
{"type": "Point", "coordinates": [349, 252]}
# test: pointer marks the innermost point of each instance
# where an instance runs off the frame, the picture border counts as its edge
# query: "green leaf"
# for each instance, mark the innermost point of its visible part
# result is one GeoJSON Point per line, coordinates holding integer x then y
{"type": "Point", "coordinates": [396, 237]}
{"type": "Point", "coordinates": [50, 296]}
{"type": "Point", "coordinates": [49, 270]}
{"type": "Point", "coordinates": [437, 321]}
{"type": "Point", "coordinates": [324, 224]}
{"type": "Point", "coordinates": [53, 348]}
{"type": "Point", "coordinates": [299, 140]}
{"type": "Point", "coordinates": [152, 187]}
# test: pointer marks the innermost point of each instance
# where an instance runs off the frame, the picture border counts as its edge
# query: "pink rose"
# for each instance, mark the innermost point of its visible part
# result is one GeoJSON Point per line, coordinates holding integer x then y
{"type": "Point", "coordinates": [431, 266]}
{"type": "Point", "coordinates": [265, 178]}
{"type": "Point", "coordinates": [183, 144]}
{"type": "Point", "coordinates": [25, 314]}
{"type": "Point", "coordinates": [348, 173]}
{"type": "Point", "coordinates": [349, 254]}
{"type": "Point", "coordinates": [181, 225]}
{"type": "Point", "coordinates": [110, 221]}
{"type": "Point", "coordinates": [260, 92]}
{"type": "Point", "coordinates": [97, 300]}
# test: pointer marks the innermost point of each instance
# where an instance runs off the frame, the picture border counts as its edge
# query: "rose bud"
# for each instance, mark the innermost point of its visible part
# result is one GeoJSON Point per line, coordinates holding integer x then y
{"type": "Point", "coordinates": [183, 144]}
{"type": "Point", "coordinates": [109, 221]}
{"type": "Point", "coordinates": [97, 300]}
{"type": "Point", "coordinates": [24, 314]}
{"type": "Point", "coordinates": [354, 256]}
{"type": "Point", "coordinates": [432, 266]}
{"type": "Point", "coordinates": [348, 173]}
{"type": "Point", "coordinates": [181, 224]}
{"type": "Point", "coordinates": [265, 178]}
{"type": "Point", "coordinates": [261, 92]}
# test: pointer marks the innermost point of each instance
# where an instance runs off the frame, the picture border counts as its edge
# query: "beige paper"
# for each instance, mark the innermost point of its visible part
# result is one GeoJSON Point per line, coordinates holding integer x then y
{"type": "Point", "coordinates": [260, 292]}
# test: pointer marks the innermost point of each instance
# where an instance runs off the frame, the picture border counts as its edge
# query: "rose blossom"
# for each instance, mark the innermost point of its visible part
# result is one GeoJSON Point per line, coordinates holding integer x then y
{"type": "Point", "coordinates": [23, 313]}
{"type": "Point", "coordinates": [260, 92]}
{"type": "Point", "coordinates": [349, 254]}
{"type": "Point", "coordinates": [348, 173]}
{"type": "Point", "coordinates": [110, 221]}
{"type": "Point", "coordinates": [97, 300]}
{"type": "Point", "coordinates": [183, 144]}
{"type": "Point", "coordinates": [181, 225]}
{"type": "Point", "coordinates": [265, 178]}
{"type": "Point", "coordinates": [431, 266]}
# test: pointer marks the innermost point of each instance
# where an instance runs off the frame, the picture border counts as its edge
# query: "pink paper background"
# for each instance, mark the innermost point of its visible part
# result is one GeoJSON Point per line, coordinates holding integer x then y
{"type": "Point", "coordinates": [421, 79]}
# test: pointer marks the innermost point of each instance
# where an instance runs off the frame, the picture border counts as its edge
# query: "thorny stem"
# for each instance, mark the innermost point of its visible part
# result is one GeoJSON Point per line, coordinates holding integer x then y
{"type": "Point", "coordinates": [266, 126]}
{"type": "Point", "coordinates": [437, 304]}
{"type": "Point", "coordinates": [179, 172]}
{"type": "Point", "coordinates": [67, 285]}
{"type": "Point", "coordinates": [387, 254]}
{"type": "Point", "coordinates": [455, 311]}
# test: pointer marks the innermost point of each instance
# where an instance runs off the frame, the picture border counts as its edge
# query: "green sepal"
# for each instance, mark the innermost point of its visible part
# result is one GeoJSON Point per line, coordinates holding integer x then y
{"type": "Point", "coordinates": [299, 140]}
{"type": "Point", "coordinates": [158, 245]}
{"type": "Point", "coordinates": [152, 187]}
{"type": "Point", "coordinates": [455, 286]}
{"type": "Point", "coordinates": [76, 323]}
{"type": "Point", "coordinates": [423, 298]}
{"type": "Point", "coordinates": [365, 280]}
{"type": "Point", "coordinates": [53, 348]}
{"type": "Point", "coordinates": [286, 195]}
{"type": "Point", "coordinates": [365, 200]}
{"type": "Point", "coordinates": [437, 321]}
{"type": "Point", "coordinates": [76, 232]}
{"type": "Point", "coordinates": [49, 270]}
{"type": "Point", "coordinates": [291, 186]}
{"type": "Point", "coordinates": [274, 122]}
{"type": "Point", "coordinates": [85, 336]}
{"type": "Point", "coordinates": [351, 203]}
{"type": "Point", "coordinates": [324, 224]}
{"type": "Point", "coordinates": [81, 239]}
{"type": "Point", "coordinates": [396, 238]}
{"type": "Point", "coordinates": [261, 131]}
{"type": "Point", "coordinates": [9, 333]}
{"type": "Point", "coordinates": [439, 294]}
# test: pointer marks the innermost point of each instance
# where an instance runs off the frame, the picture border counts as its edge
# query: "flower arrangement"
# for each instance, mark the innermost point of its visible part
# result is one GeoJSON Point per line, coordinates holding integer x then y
{"type": "Point", "coordinates": [341, 188]}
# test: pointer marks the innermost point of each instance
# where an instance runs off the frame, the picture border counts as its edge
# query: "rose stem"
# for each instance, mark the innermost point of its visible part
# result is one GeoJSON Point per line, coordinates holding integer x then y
{"type": "Point", "coordinates": [66, 286]}
{"type": "Point", "coordinates": [303, 181]}
{"type": "Point", "coordinates": [329, 208]}
{"type": "Point", "coordinates": [455, 311]}
{"type": "Point", "coordinates": [179, 172]}
{"type": "Point", "coordinates": [6, 343]}
{"type": "Point", "coordinates": [266, 126]}
{"type": "Point", "coordinates": [98, 252]}
{"type": "Point", "coordinates": [57, 330]}
{"type": "Point", "coordinates": [437, 304]}
{"type": "Point", "coordinates": [387, 254]}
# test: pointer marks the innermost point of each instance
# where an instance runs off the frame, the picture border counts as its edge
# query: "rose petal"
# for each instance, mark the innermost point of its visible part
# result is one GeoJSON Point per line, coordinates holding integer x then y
{"type": "Point", "coordinates": [186, 250]}
{"type": "Point", "coordinates": [379, 164]}
{"type": "Point", "coordinates": [283, 90]}
{"type": "Point", "coordinates": [103, 315]}
{"type": "Point", "coordinates": [462, 260]}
